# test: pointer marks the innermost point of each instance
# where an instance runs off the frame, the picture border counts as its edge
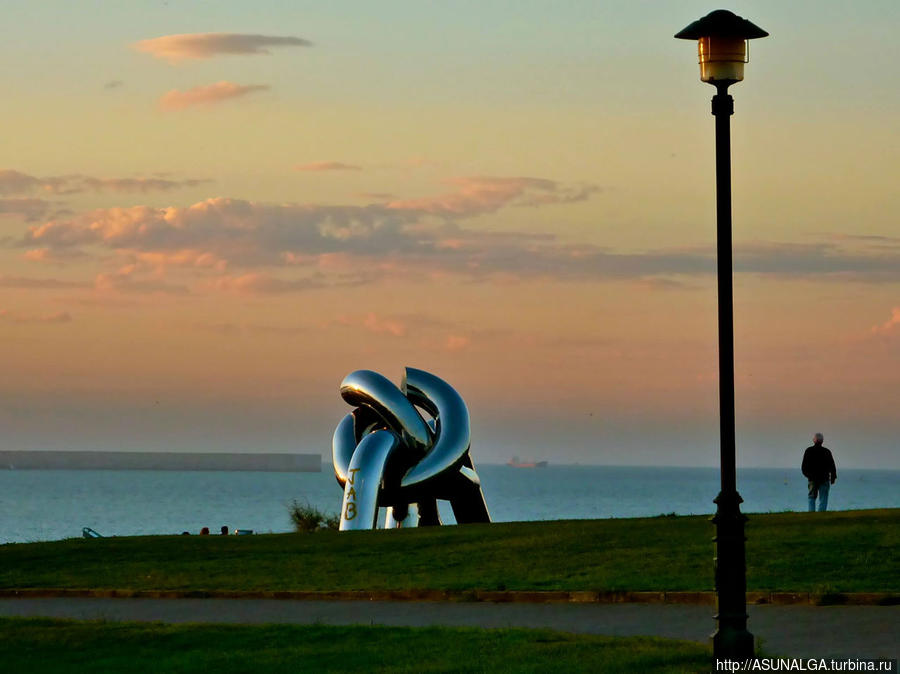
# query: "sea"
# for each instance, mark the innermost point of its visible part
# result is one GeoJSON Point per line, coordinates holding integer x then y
{"type": "Point", "coordinates": [43, 505]}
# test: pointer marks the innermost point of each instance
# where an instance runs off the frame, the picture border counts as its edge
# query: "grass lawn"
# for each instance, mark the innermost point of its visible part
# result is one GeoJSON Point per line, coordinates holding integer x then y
{"type": "Point", "coordinates": [43, 645]}
{"type": "Point", "coordinates": [851, 551]}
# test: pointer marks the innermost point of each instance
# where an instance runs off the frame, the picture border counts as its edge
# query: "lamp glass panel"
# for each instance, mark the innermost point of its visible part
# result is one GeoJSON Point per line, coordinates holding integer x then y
{"type": "Point", "coordinates": [722, 58]}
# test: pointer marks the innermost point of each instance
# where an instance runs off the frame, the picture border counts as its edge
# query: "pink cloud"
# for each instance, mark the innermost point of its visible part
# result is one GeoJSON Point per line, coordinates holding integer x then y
{"type": "Point", "coordinates": [38, 255]}
{"type": "Point", "coordinates": [327, 166]}
{"type": "Point", "coordinates": [124, 280]}
{"type": "Point", "coordinates": [372, 322]}
{"type": "Point", "coordinates": [49, 255]}
{"type": "Point", "coordinates": [187, 46]}
{"type": "Point", "coordinates": [389, 326]}
{"type": "Point", "coordinates": [891, 325]}
{"type": "Point", "coordinates": [336, 262]}
{"type": "Point", "coordinates": [262, 284]}
{"type": "Point", "coordinates": [456, 342]}
{"type": "Point", "coordinates": [180, 258]}
{"type": "Point", "coordinates": [111, 225]}
{"type": "Point", "coordinates": [477, 195]}
{"type": "Point", "coordinates": [207, 95]}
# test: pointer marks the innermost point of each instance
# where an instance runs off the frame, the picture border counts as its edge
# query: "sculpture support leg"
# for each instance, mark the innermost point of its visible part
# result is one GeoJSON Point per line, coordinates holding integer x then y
{"type": "Point", "coordinates": [429, 516]}
{"type": "Point", "coordinates": [463, 490]}
{"type": "Point", "coordinates": [402, 517]}
{"type": "Point", "coordinates": [468, 502]}
{"type": "Point", "coordinates": [359, 509]}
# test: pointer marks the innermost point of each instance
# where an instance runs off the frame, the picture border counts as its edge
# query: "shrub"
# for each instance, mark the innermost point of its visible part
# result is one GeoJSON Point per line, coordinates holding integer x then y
{"type": "Point", "coordinates": [308, 518]}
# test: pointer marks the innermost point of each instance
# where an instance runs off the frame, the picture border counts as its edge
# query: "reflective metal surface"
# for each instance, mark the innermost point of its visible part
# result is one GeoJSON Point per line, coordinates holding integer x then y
{"type": "Point", "coordinates": [364, 387]}
{"type": "Point", "coordinates": [342, 447]}
{"type": "Point", "coordinates": [359, 509]}
{"type": "Point", "coordinates": [385, 454]}
{"type": "Point", "coordinates": [451, 416]}
{"type": "Point", "coordinates": [348, 434]}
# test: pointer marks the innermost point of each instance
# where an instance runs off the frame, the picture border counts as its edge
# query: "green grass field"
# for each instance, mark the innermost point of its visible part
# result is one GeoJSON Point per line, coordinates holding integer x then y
{"type": "Point", "coordinates": [852, 551]}
{"type": "Point", "coordinates": [42, 645]}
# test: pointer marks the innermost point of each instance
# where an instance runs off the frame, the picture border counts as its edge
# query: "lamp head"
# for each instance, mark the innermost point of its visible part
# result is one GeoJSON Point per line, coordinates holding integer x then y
{"type": "Point", "coordinates": [722, 42]}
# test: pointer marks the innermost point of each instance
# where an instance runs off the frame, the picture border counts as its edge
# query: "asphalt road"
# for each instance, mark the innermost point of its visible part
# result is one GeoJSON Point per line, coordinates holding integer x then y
{"type": "Point", "coordinates": [789, 631]}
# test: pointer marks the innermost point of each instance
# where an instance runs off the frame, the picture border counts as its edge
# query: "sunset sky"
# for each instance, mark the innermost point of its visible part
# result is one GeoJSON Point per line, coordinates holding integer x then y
{"type": "Point", "coordinates": [211, 212]}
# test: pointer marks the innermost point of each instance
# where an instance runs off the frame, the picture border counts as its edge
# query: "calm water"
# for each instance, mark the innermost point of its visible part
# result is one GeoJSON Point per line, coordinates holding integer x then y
{"type": "Point", "coordinates": [47, 505]}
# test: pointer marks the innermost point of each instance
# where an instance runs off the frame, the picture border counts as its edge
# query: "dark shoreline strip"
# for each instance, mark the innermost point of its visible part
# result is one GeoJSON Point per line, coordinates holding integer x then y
{"type": "Point", "coordinates": [495, 596]}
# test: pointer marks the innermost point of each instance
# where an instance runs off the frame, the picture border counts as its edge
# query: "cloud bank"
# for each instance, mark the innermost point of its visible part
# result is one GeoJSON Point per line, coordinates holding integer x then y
{"type": "Point", "coordinates": [16, 182]}
{"type": "Point", "coordinates": [29, 209]}
{"type": "Point", "coordinates": [240, 246]}
{"type": "Point", "coordinates": [189, 46]}
{"type": "Point", "coordinates": [484, 194]}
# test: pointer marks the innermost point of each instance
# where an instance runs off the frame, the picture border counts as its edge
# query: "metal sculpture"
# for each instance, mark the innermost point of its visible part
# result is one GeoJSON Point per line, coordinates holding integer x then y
{"type": "Point", "coordinates": [386, 454]}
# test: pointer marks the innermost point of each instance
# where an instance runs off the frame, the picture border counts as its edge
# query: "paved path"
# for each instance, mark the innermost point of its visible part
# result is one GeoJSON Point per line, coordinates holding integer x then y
{"type": "Point", "coordinates": [794, 631]}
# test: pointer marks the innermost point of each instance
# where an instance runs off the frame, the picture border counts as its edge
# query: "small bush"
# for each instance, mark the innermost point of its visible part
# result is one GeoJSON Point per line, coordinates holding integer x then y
{"type": "Point", "coordinates": [307, 518]}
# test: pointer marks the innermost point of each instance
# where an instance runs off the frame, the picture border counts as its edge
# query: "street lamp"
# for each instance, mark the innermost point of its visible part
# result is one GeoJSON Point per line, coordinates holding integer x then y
{"type": "Point", "coordinates": [723, 44]}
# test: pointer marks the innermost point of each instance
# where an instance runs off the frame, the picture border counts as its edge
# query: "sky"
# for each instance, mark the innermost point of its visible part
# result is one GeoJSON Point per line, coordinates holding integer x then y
{"type": "Point", "coordinates": [210, 213]}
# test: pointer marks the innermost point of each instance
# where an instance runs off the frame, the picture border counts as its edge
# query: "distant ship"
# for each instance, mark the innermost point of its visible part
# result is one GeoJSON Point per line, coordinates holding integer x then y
{"type": "Point", "coordinates": [516, 463]}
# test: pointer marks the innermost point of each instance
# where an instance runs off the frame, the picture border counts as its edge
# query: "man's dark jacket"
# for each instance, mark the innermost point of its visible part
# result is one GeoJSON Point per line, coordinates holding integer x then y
{"type": "Point", "coordinates": [818, 464]}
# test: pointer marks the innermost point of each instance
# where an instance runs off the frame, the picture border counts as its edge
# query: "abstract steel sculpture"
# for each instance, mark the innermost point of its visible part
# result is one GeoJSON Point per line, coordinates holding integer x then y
{"type": "Point", "coordinates": [387, 455]}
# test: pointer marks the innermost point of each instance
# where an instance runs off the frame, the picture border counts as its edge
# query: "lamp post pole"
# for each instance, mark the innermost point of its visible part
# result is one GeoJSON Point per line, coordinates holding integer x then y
{"type": "Point", "coordinates": [731, 639]}
{"type": "Point", "coordinates": [722, 46]}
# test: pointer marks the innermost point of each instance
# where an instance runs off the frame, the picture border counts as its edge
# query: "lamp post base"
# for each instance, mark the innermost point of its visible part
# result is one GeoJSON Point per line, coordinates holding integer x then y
{"type": "Point", "coordinates": [731, 638]}
{"type": "Point", "coordinates": [733, 644]}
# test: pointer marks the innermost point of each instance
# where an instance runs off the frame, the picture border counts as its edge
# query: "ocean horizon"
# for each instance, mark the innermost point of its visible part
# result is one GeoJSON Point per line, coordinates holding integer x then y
{"type": "Point", "coordinates": [41, 505]}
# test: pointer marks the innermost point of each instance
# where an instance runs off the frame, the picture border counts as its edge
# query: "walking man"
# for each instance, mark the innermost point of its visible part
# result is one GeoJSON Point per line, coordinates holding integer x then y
{"type": "Point", "coordinates": [818, 467]}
